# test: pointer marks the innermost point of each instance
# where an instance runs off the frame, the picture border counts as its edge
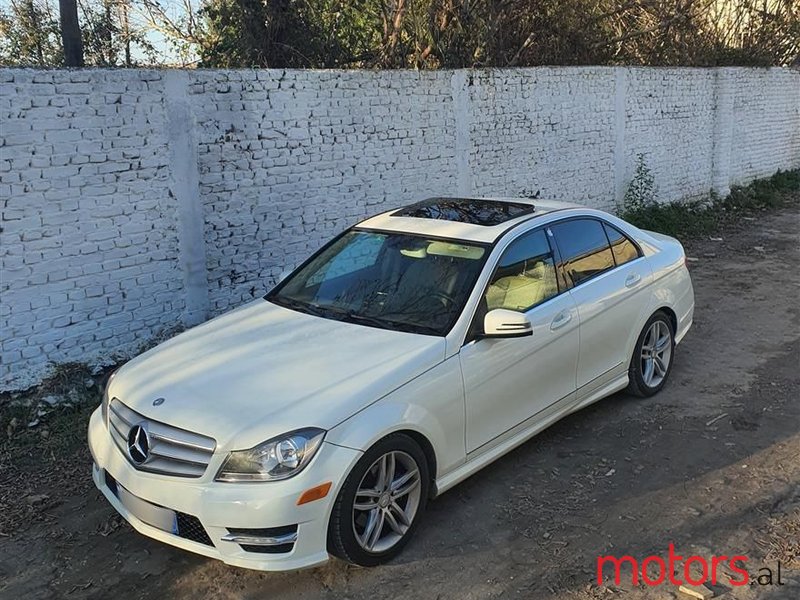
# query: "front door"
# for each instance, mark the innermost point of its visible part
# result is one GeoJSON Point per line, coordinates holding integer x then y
{"type": "Point", "coordinates": [507, 381]}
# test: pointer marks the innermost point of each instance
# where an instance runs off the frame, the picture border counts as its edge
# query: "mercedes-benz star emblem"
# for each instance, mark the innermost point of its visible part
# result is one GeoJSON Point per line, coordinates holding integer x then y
{"type": "Point", "coordinates": [158, 401]}
{"type": "Point", "coordinates": [138, 444]}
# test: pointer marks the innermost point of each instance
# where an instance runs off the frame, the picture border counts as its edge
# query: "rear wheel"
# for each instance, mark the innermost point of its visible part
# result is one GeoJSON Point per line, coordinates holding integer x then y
{"type": "Point", "coordinates": [380, 503]}
{"type": "Point", "coordinates": [652, 357]}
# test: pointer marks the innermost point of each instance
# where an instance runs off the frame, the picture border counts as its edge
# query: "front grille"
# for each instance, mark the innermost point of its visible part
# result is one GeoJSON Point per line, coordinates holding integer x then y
{"type": "Point", "coordinates": [172, 451]}
{"type": "Point", "coordinates": [190, 528]}
{"type": "Point", "coordinates": [110, 482]}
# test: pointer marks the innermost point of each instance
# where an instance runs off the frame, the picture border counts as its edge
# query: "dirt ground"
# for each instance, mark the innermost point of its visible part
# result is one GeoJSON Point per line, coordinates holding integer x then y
{"type": "Point", "coordinates": [711, 464]}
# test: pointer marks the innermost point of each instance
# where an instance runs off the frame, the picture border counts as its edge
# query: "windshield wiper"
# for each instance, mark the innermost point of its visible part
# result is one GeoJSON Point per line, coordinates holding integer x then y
{"type": "Point", "coordinates": [416, 328]}
{"type": "Point", "coordinates": [366, 320]}
{"type": "Point", "coordinates": [349, 316]}
{"type": "Point", "coordinates": [300, 306]}
{"type": "Point", "coordinates": [389, 324]}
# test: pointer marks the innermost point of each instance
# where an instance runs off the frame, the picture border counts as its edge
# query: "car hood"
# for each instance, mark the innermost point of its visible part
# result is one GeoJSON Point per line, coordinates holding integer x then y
{"type": "Point", "coordinates": [263, 370]}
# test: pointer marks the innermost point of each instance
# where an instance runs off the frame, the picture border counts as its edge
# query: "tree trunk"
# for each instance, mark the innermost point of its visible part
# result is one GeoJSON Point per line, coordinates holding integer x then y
{"type": "Point", "coordinates": [126, 31]}
{"type": "Point", "coordinates": [33, 17]}
{"type": "Point", "coordinates": [71, 33]}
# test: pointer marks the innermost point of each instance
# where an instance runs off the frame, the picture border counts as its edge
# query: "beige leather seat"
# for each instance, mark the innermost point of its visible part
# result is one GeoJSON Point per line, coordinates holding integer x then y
{"type": "Point", "coordinates": [520, 292]}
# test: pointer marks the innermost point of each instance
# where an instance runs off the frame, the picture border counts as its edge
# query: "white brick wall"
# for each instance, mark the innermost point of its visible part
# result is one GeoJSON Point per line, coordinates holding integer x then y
{"type": "Point", "coordinates": [669, 118]}
{"type": "Point", "coordinates": [137, 200]}
{"type": "Point", "coordinates": [88, 249]}
{"type": "Point", "coordinates": [545, 131]}
{"type": "Point", "coordinates": [765, 129]}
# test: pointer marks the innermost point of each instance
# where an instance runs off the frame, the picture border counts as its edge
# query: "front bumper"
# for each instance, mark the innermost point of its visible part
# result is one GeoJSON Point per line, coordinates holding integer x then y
{"type": "Point", "coordinates": [222, 507]}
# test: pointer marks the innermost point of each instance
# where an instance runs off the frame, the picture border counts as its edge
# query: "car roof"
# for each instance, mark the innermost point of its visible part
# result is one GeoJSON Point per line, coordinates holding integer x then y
{"type": "Point", "coordinates": [481, 219]}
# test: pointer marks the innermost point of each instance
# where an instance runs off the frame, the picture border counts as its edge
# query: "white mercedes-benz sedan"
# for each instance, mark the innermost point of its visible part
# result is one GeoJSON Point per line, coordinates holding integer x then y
{"type": "Point", "coordinates": [407, 353]}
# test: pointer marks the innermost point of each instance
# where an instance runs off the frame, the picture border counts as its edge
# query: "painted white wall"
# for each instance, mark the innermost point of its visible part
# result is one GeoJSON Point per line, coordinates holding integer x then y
{"type": "Point", "coordinates": [134, 201]}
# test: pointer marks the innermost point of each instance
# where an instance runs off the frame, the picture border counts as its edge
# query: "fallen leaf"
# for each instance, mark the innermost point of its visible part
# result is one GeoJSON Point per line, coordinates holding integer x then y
{"type": "Point", "coordinates": [37, 498]}
{"type": "Point", "coordinates": [715, 419]}
{"type": "Point", "coordinates": [696, 591]}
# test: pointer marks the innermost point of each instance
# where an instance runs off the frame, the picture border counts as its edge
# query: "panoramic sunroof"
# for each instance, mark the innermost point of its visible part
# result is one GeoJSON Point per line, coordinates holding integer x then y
{"type": "Point", "coordinates": [466, 210]}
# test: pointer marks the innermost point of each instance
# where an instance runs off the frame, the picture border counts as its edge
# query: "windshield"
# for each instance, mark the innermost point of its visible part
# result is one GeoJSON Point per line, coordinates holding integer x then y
{"type": "Point", "coordinates": [389, 280]}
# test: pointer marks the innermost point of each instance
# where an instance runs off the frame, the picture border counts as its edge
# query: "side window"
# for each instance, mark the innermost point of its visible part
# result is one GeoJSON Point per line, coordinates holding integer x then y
{"type": "Point", "coordinates": [525, 275]}
{"type": "Point", "coordinates": [584, 248]}
{"type": "Point", "coordinates": [623, 248]}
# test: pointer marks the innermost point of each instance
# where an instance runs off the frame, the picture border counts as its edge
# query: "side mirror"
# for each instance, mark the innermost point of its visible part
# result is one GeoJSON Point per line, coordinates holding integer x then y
{"type": "Point", "coordinates": [504, 323]}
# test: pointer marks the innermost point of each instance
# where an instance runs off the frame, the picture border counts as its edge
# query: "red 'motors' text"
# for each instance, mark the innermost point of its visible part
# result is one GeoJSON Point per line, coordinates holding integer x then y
{"type": "Point", "coordinates": [655, 570]}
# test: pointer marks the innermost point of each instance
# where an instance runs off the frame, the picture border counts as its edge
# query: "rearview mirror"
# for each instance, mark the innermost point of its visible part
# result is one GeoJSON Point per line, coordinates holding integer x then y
{"type": "Point", "coordinates": [504, 323]}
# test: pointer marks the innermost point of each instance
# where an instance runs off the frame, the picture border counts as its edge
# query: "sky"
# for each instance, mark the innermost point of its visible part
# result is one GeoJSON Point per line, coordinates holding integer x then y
{"type": "Point", "coordinates": [174, 8]}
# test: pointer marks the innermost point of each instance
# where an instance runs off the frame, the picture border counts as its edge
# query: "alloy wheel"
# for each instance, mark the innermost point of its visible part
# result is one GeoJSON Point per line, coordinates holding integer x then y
{"type": "Point", "coordinates": [656, 353]}
{"type": "Point", "coordinates": [386, 501]}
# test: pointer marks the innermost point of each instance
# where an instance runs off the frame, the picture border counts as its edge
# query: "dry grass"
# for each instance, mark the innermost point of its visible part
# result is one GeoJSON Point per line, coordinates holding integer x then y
{"type": "Point", "coordinates": [782, 542]}
{"type": "Point", "coordinates": [43, 446]}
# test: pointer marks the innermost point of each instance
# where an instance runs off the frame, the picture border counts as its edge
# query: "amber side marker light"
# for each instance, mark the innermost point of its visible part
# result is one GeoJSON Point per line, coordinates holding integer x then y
{"type": "Point", "coordinates": [315, 493]}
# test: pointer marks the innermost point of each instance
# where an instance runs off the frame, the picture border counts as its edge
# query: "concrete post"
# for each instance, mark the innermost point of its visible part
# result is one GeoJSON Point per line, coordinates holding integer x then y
{"type": "Point", "coordinates": [463, 143]}
{"type": "Point", "coordinates": [723, 132]}
{"type": "Point", "coordinates": [620, 158]}
{"type": "Point", "coordinates": [185, 188]}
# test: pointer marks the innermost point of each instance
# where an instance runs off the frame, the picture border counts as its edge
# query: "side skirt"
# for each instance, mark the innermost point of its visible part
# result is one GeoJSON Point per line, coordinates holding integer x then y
{"type": "Point", "coordinates": [620, 383]}
{"type": "Point", "coordinates": [525, 431]}
{"type": "Point", "coordinates": [493, 450]}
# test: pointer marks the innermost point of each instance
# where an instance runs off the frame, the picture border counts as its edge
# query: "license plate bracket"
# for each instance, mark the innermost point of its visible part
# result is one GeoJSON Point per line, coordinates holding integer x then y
{"type": "Point", "coordinates": [147, 512]}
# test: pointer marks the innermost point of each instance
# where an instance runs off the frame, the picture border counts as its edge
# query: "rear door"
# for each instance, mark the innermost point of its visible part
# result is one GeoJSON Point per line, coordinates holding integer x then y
{"type": "Point", "coordinates": [509, 381]}
{"type": "Point", "coordinates": [610, 282]}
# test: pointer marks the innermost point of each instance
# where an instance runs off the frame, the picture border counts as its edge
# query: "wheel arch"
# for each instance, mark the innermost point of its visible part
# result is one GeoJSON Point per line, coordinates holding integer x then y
{"type": "Point", "coordinates": [647, 315]}
{"type": "Point", "coordinates": [673, 318]}
{"type": "Point", "coordinates": [358, 441]}
{"type": "Point", "coordinates": [430, 456]}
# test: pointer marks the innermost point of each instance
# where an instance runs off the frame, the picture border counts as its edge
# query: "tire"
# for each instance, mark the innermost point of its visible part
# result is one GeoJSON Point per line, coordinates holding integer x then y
{"type": "Point", "coordinates": [649, 372]}
{"type": "Point", "coordinates": [348, 534]}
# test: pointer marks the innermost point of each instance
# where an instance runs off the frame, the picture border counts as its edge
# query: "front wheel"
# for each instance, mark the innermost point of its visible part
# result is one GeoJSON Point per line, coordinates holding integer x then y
{"type": "Point", "coordinates": [652, 357]}
{"type": "Point", "coordinates": [380, 502]}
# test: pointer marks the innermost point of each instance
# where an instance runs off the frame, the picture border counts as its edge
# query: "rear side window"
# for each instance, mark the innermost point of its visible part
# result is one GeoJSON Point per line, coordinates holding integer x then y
{"type": "Point", "coordinates": [584, 247]}
{"type": "Point", "coordinates": [623, 248]}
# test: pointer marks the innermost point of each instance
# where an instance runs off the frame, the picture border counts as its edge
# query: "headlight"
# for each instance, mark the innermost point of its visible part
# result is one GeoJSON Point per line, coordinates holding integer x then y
{"type": "Point", "coordinates": [279, 458]}
{"type": "Point", "coordinates": [106, 399]}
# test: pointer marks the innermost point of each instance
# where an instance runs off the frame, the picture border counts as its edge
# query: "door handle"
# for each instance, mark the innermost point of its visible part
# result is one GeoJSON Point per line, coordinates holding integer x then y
{"type": "Point", "coordinates": [561, 319]}
{"type": "Point", "coordinates": [632, 280]}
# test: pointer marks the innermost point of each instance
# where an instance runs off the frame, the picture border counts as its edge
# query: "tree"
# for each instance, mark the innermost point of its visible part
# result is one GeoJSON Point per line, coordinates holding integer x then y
{"type": "Point", "coordinates": [71, 33]}
{"type": "Point", "coordinates": [109, 35]}
{"type": "Point", "coordinates": [29, 34]}
{"type": "Point", "coordinates": [430, 34]}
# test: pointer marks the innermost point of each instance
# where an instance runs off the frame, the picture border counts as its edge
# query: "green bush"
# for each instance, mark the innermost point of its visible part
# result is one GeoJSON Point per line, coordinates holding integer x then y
{"type": "Point", "coordinates": [693, 219]}
{"type": "Point", "coordinates": [641, 192]}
